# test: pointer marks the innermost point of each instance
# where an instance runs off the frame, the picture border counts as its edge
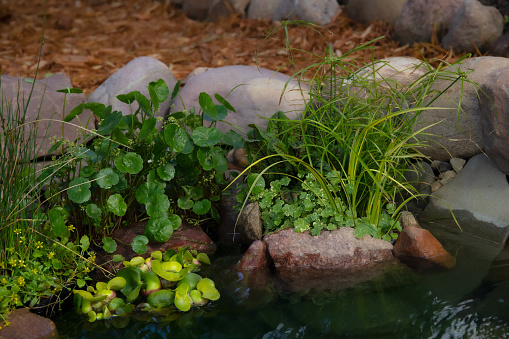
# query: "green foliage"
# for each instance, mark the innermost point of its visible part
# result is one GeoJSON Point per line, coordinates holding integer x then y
{"type": "Point", "coordinates": [344, 158]}
{"type": "Point", "coordinates": [132, 171]}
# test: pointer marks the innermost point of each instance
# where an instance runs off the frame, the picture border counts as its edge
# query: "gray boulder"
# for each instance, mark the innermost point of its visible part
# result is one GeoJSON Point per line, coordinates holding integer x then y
{"type": "Point", "coordinates": [250, 225]}
{"type": "Point", "coordinates": [366, 11]}
{"type": "Point", "coordinates": [419, 18]}
{"type": "Point", "coordinates": [224, 8]}
{"type": "Point", "coordinates": [262, 9]}
{"type": "Point", "coordinates": [478, 198]}
{"type": "Point", "coordinates": [317, 11]}
{"type": "Point", "coordinates": [134, 76]}
{"type": "Point", "coordinates": [454, 133]}
{"type": "Point", "coordinates": [495, 117]}
{"type": "Point", "coordinates": [474, 26]}
{"type": "Point", "coordinates": [333, 259]}
{"type": "Point", "coordinates": [45, 106]}
{"type": "Point", "coordinates": [196, 9]}
{"type": "Point", "coordinates": [255, 93]}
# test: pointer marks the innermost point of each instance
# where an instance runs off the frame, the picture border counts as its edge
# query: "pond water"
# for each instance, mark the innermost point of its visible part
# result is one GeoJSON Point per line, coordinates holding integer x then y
{"type": "Point", "coordinates": [469, 301]}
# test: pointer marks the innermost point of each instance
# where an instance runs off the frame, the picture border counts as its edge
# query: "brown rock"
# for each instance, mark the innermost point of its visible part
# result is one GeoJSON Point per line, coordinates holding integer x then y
{"type": "Point", "coordinates": [27, 325]}
{"type": "Point", "coordinates": [332, 260]}
{"type": "Point", "coordinates": [250, 226]}
{"type": "Point", "coordinates": [256, 257]}
{"type": "Point", "coordinates": [414, 242]}
{"type": "Point", "coordinates": [185, 235]}
{"type": "Point", "coordinates": [407, 219]}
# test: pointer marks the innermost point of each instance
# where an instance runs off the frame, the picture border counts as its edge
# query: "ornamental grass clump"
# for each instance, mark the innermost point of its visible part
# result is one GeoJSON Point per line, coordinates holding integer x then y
{"type": "Point", "coordinates": [343, 162]}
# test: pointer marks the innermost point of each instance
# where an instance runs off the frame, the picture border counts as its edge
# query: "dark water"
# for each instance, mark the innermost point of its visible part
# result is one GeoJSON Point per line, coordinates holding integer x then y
{"type": "Point", "coordinates": [469, 301]}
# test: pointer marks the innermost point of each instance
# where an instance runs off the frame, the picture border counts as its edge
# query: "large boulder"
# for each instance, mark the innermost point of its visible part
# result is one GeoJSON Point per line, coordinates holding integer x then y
{"type": "Point", "coordinates": [45, 108]}
{"type": "Point", "coordinates": [367, 11]}
{"type": "Point", "coordinates": [333, 259]}
{"type": "Point", "coordinates": [420, 19]}
{"type": "Point", "coordinates": [27, 325]}
{"type": "Point", "coordinates": [453, 133]}
{"type": "Point", "coordinates": [134, 76]}
{"type": "Point", "coordinates": [255, 93]}
{"type": "Point", "coordinates": [316, 11]}
{"type": "Point", "coordinates": [474, 26]}
{"type": "Point", "coordinates": [477, 197]}
{"type": "Point", "coordinates": [495, 117]}
{"type": "Point", "coordinates": [262, 9]}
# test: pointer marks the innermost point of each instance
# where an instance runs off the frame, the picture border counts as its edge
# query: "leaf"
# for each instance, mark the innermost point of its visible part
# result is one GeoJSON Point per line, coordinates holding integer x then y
{"type": "Point", "coordinates": [175, 92]}
{"type": "Point", "coordinates": [69, 90]}
{"type": "Point", "coordinates": [207, 136]}
{"type": "Point", "coordinates": [185, 203]}
{"type": "Point", "coordinates": [175, 221]}
{"type": "Point", "coordinates": [157, 205]}
{"type": "Point", "coordinates": [176, 138]}
{"type": "Point", "coordinates": [133, 163]}
{"type": "Point", "coordinates": [147, 128]}
{"type": "Point", "coordinates": [233, 139]}
{"type": "Point", "coordinates": [93, 211]}
{"type": "Point", "coordinates": [208, 288]}
{"type": "Point", "coordinates": [109, 245]}
{"type": "Point", "coordinates": [207, 105]}
{"type": "Point", "coordinates": [109, 123]}
{"type": "Point", "coordinates": [117, 205]}
{"type": "Point", "coordinates": [139, 244]}
{"type": "Point", "coordinates": [87, 171]}
{"type": "Point", "coordinates": [117, 258]}
{"type": "Point", "coordinates": [202, 207]}
{"type": "Point", "coordinates": [222, 113]}
{"type": "Point", "coordinates": [132, 275]}
{"type": "Point", "coordinates": [106, 178]}
{"type": "Point", "coordinates": [79, 190]}
{"type": "Point", "coordinates": [57, 218]}
{"type": "Point", "coordinates": [166, 172]}
{"type": "Point", "coordinates": [204, 155]}
{"type": "Point", "coordinates": [144, 103]}
{"type": "Point", "coordinates": [127, 98]}
{"type": "Point", "coordinates": [258, 182]}
{"type": "Point", "coordinates": [159, 229]}
{"type": "Point", "coordinates": [84, 242]}
{"type": "Point", "coordinates": [158, 92]}
{"type": "Point", "coordinates": [118, 136]}
{"type": "Point", "coordinates": [55, 146]}
{"type": "Point", "coordinates": [224, 102]}
{"type": "Point", "coordinates": [182, 298]}
{"type": "Point", "coordinates": [74, 112]}
{"type": "Point", "coordinates": [220, 163]}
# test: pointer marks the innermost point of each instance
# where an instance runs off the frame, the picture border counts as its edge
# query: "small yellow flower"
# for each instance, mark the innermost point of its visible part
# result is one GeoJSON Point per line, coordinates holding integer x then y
{"type": "Point", "coordinates": [17, 231]}
{"type": "Point", "coordinates": [71, 228]}
{"type": "Point", "coordinates": [86, 269]}
{"type": "Point", "coordinates": [22, 239]}
{"type": "Point", "coordinates": [21, 263]}
{"type": "Point", "coordinates": [13, 262]}
{"type": "Point", "coordinates": [92, 258]}
{"type": "Point", "coordinates": [3, 281]}
{"type": "Point", "coordinates": [15, 300]}
{"type": "Point", "coordinates": [38, 245]}
{"type": "Point", "coordinates": [34, 271]}
{"type": "Point", "coordinates": [21, 281]}
{"type": "Point", "coordinates": [2, 264]}
{"type": "Point", "coordinates": [51, 255]}
{"type": "Point", "coordinates": [10, 249]}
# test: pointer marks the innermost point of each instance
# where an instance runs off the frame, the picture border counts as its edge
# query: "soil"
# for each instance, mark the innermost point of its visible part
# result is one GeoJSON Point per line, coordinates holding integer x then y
{"type": "Point", "coordinates": [91, 39]}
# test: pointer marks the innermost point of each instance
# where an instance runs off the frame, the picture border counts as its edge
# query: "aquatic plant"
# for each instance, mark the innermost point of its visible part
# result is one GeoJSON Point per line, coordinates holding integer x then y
{"type": "Point", "coordinates": [150, 285]}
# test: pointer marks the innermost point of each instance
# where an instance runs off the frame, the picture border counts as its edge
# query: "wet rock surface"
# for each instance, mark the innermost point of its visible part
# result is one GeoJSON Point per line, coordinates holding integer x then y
{"type": "Point", "coordinates": [27, 325]}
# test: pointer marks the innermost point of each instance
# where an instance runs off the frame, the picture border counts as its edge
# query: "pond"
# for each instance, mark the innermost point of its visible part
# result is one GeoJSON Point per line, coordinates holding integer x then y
{"type": "Point", "coordinates": [471, 300]}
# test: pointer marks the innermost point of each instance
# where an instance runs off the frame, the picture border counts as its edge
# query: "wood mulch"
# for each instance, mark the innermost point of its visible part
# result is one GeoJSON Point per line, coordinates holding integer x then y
{"type": "Point", "coordinates": [91, 39]}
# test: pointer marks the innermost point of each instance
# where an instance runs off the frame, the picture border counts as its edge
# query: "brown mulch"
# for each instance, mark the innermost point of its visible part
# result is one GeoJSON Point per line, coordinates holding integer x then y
{"type": "Point", "coordinates": [91, 39]}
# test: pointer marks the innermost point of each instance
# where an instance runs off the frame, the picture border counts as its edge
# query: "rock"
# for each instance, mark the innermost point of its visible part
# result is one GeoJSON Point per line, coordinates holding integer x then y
{"type": "Point", "coordinates": [196, 9]}
{"type": "Point", "coordinates": [224, 8]}
{"type": "Point", "coordinates": [495, 117]}
{"type": "Point", "coordinates": [185, 235]}
{"type": "Point", "coordinates": [250, 224]}
{"type": "Point", "coordinates": [227, 228]}
{"type": "Point", "coordinates": [444, 167]}
{"type": "Point", "coordinates": [478, 198]}
{"type": "Point", "coordinates": [27, 325]}
{"type": "Point", "coordinates": [256, 257]}
{"type": "Point", "coordinates": [419, 18]}
{"type": "Point", "coordinates": [457, 164]}
{"type": "Point", "coordinates": [436, 186]}
{"type": "Point", "coordinates": [50, 108]}
{"type": "Point", "coordinates": [501, 46]}
{"type": "Point", "coordinates": [334, 259]}
{"type": "Point", "coordinates": [408, 219]}
{"type": "Point", "coordinates": [366, 11]}
{"type": "Point", "coordinates": [457, 134]}
{"type": "Point", "coordinates": [435, 164]}
{"type": "Point", "coordinates": [473, 27]}
{"type": "Point", "coordinates": [316, 11]}
{"type": "Point", "coordinates": [257, 96]}
{"type": "Point", "coordinates": [446, 177]}
{"type": "Point", "coordinates": [420, 176]}
{"type": "Point", "coordinates": [417, 243]}
{"type": "Point", "coordinates": [134, 76]}
{"type": "Point", "coordinates": [262, 9]}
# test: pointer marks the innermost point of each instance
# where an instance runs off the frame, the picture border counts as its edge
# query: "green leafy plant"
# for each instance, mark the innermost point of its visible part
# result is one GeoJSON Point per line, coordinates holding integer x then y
{"type": "Point", "coordinates": [151, 285]}
{"type": "Point", "coordinates": [132, 171]}
{"type": "Point", "coordinates": [347, 154]}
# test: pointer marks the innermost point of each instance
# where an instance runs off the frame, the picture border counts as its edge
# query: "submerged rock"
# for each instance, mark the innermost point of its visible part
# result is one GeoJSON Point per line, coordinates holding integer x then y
{"type": "Point", "coordinates": [331, 260]}
{"type": "Point", "coordinates": [27, 325]}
